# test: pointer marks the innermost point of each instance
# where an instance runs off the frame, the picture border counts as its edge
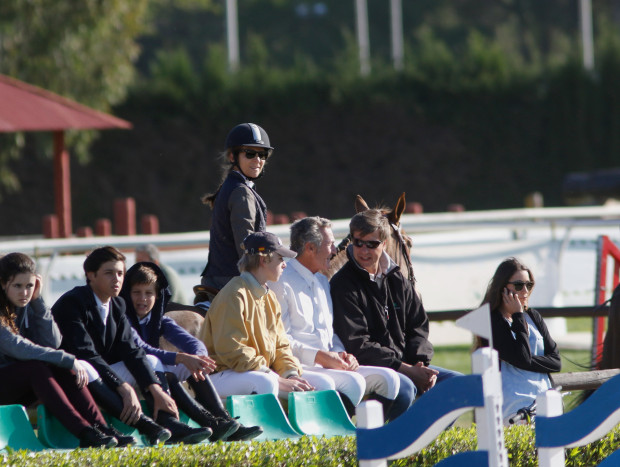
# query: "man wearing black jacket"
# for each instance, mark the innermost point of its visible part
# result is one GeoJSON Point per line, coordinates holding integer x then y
{"type": "Point", "coordinates": [95, 329]}
{"type": "Point", "coordinates": [377, 312]}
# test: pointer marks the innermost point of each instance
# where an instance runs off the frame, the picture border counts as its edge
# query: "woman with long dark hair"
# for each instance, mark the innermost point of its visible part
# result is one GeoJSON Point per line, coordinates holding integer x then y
{"type": "Point", "coordinates": [31, 365]}
{"type": "Point", "coordinates": [526, 351]}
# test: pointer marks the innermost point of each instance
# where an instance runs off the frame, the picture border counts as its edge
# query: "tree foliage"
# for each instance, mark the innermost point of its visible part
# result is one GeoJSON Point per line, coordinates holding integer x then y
{"type": "Point", "coordinates": [81, 50]}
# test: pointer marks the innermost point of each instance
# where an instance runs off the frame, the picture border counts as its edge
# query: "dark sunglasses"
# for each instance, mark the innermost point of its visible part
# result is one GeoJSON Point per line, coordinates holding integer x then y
{"type": "Point", "coordinates": [372, 244]}
{"type": "Point", "coordinates": [518, 285]}
{"type": "Point", "coordinates": [251, 154]}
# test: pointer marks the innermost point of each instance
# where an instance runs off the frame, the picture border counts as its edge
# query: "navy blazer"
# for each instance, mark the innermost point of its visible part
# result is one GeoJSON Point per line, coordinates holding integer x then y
{"type": "Point", "coordinates": [84, 336]}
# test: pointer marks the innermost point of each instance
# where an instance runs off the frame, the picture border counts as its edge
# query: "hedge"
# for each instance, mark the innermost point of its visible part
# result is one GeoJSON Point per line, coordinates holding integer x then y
{"type": "Point", "coordinates": [309, 451]}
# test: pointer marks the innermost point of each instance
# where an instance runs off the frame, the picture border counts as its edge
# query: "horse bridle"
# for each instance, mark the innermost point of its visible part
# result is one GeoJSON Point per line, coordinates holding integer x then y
{"type": "Point", "coordinates": [401, 242]}
{"type": "Point", "coordinates": [403, 250]}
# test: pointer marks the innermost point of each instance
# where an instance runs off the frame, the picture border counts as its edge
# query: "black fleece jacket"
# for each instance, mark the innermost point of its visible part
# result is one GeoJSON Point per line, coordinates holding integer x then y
{"type": "Point", "coordinates": [381, 325]}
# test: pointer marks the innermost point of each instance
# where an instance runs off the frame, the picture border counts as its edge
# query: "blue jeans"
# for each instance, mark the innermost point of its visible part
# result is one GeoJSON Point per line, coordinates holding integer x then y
{"type": "Point", "coordinates": [407, 393]}
{"type": "Point", "coordinates": [444, 373]}
{"type": "Point", "coordinates": [404, 398]}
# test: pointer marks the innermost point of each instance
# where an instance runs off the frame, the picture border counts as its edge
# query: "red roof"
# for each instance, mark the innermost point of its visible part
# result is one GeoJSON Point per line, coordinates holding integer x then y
{"type": "Point", "coordinates": [24, 107]}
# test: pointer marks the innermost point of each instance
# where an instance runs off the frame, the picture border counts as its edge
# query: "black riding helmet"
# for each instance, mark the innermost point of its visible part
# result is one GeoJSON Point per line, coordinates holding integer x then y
{"type": "Point", "coordinates": [248, 135]}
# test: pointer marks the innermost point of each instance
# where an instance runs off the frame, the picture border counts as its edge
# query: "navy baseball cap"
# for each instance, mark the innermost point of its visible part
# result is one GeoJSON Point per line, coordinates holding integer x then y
{"type": "Point", "coordinates": [248, 134]}
{"type": "Point", "coordinates": [265, 242]}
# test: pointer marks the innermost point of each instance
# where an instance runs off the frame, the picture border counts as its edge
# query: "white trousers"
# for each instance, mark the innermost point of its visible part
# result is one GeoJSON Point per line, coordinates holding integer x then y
{"type": "Point", "coordinates": [230, 382]}
{"type": "Point", "coordinates": [365, 380]}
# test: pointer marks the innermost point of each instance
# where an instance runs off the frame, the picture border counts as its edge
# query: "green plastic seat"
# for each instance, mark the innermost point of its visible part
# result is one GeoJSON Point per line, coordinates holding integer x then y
{"type": "Point", "coordinates": [16, 431]}
{"type": "Point", "coordinates": [264, 410]}
{"type": "Point", "coordinates": [52, 433]}
{"type": "Point", "coordinates": [319, 413]}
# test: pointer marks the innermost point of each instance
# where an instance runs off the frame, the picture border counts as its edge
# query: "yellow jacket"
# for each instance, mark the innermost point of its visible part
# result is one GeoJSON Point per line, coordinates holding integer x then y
{"type": "Point", "coordinates": [243, 330]}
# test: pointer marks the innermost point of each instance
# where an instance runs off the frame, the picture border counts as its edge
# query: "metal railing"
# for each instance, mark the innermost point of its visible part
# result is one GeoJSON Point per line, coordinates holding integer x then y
{"type": "Point", "coordinates": [517, 219]}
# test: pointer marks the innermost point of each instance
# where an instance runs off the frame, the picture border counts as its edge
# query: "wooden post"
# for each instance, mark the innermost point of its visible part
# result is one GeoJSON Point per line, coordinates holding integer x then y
{"type": "Point", "coordinates": [103, 227]}
{"type": "Point", "coordinates": [414, 207]}
{"type": "Point", "coordinates": [582, 380]}
{"type": "Point", "coordinates": [50, 226]}
{"type": "Point", "coordinates": [84, 231]}
{"type": "Point", "coordinates": [149, 224]}
{"type": "Point", "coordinates": [125, 216]}
{"type": "Point", "coordinates": [455, 207]}
{"type": "Point", "coordinates": [62, 185]}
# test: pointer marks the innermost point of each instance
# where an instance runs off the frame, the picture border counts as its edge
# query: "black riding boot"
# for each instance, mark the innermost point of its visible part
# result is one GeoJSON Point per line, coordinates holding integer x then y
{"type": "Point", "coordinates": [181, 433]}
{"type": "Point", "coordinates": [222, 426]}
{"type": "Point", "coordinates": [208, 397]}
{"type": "Point", "coordinates": [112, 403]}
{"type": "Point", "coordinates": [348, 405]}
{"type": "Point", "coordinates": [386, 403]}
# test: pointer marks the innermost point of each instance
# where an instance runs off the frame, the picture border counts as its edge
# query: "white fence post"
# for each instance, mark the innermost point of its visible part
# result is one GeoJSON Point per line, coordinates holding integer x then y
{"type": "Point", "coordinates": [489, 422]}
{"type": "Point", "coordinates": [549, 404]}
{"type": "Point", "coordinates": [370, 415]}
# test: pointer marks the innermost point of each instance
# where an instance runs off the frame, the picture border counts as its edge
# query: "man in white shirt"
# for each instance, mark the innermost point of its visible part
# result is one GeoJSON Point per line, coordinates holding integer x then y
{"type": "Point", "coordinates": [303, 293]}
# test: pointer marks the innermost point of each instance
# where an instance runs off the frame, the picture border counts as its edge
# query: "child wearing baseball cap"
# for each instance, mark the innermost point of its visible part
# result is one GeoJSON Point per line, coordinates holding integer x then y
{"type": "Point", "coordinates": [244, 332]}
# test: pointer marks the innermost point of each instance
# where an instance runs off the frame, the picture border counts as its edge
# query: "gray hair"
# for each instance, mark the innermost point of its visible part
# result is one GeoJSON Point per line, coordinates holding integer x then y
{"type": "Point", "coordinates": [308, 230]}
{"type": "Point", "coordinates": [369, 221]}
{"type": "Point", "coordinates": [151, 250]}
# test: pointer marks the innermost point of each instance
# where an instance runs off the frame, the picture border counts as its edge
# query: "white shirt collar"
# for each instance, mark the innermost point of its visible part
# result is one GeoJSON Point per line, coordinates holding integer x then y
{"type": "Point", "coordinates": [103, 308]}
{"type": "Point", "coordinates": [302, 270]}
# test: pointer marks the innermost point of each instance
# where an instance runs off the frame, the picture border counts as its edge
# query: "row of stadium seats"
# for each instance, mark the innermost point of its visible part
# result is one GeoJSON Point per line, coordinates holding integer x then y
{"type": "Point", "coordinates": [319, 413]}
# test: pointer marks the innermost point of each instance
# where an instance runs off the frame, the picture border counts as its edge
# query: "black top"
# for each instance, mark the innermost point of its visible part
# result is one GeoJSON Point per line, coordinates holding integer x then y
{"type": "Point", "coordinates": [84, 336]}
{"type": "Point", "coordinates": [382, 325]}
{"type": "Point", "coordinates": [516, 350]}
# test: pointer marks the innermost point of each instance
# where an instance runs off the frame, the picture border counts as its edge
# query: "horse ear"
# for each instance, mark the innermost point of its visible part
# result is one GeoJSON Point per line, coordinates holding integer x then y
{"type": "Point", "coordinates": [394, 215]}
{"type": "Point", "coordinates": [360, 204]}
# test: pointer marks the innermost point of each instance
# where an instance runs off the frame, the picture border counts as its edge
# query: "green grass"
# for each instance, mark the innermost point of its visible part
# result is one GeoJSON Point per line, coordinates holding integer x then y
{"type": "Point", "coordinates": [579, 325]}
{"type": "Point", "coordinates": [458, 357]}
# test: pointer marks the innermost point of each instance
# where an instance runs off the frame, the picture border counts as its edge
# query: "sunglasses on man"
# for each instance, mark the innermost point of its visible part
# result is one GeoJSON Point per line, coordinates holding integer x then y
{"type": "Point", "coordinates": [372, 244]}
{"type": "Point", "coordinates": [518, 285]}
{"type": "Point", "coordinates": [251, 154]}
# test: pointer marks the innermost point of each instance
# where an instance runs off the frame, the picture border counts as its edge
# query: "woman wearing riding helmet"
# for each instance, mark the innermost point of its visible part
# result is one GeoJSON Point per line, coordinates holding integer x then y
{"type": "Point", "coordinates": [238, 210]}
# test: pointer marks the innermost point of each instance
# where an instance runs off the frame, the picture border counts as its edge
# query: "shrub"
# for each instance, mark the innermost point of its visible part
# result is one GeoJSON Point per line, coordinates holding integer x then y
{"type": "Point", "coordinates": [309, 451]}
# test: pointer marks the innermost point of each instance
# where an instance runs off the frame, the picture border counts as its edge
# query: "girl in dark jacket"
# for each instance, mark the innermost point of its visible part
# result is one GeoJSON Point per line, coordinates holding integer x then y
{"type": "Point", "coordinates": [146, 294]}
{"type": "Point", "coordinates": [238, 210]}
{"type": "Point", "coordinates": [31, 361]}
{"type": "Point", "coordinates": [526, 350]}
